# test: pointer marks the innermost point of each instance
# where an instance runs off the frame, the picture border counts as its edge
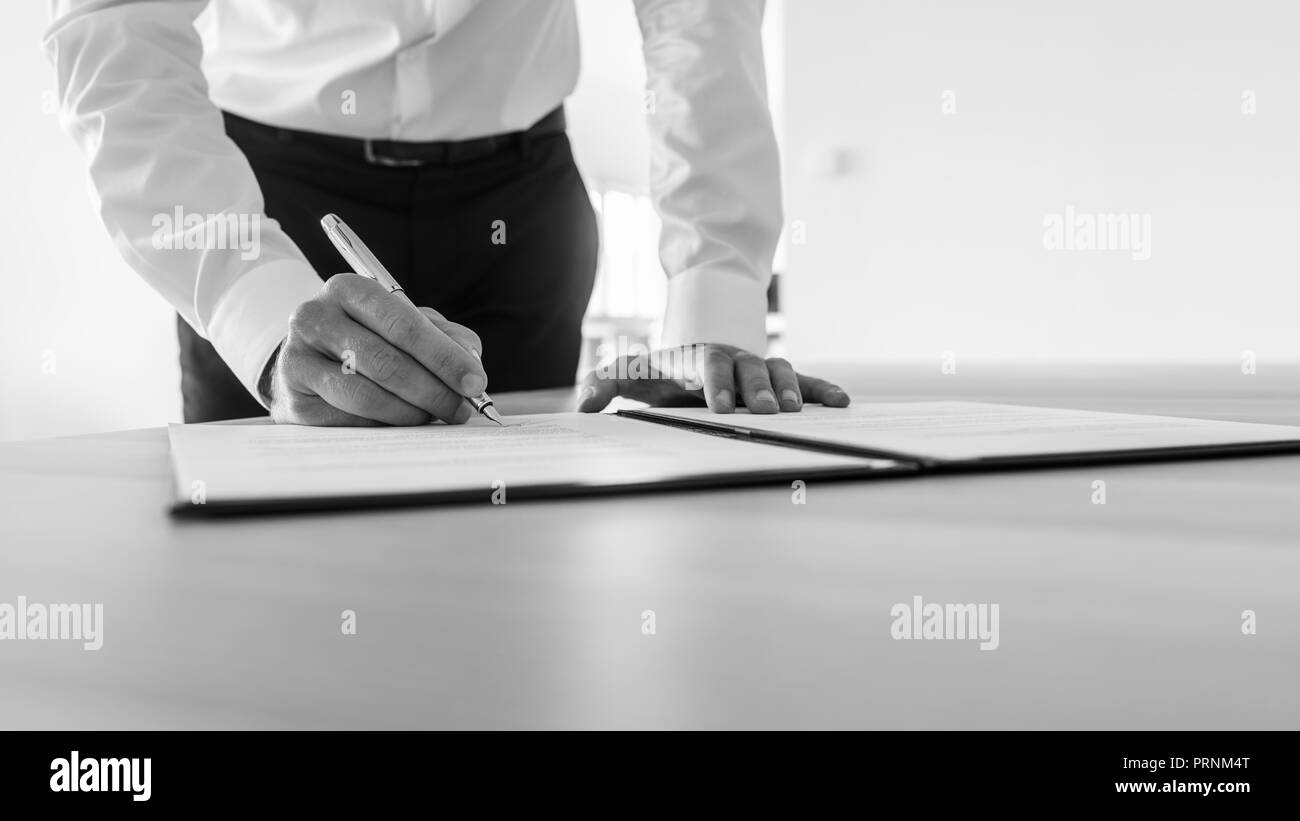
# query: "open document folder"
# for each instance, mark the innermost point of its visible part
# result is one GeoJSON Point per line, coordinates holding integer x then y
{"type": "Point", "coordinates": [222, 468]}
{"type": "Point", "coordinates": [977, 435]}
{"type": "Point", "coordinates": [231, 468]}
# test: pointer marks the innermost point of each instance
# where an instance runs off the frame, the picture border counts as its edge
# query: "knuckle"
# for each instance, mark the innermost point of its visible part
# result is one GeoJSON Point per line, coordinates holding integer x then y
{"type": "Point", "coordinates": [385, 364]}
{"type": "Point", "coordinates": [307, 318]}
{"type": "Point", "coordinates": [338, 390]}
{"type": "Point", "coordinates": [474, 340]}
{"type": "Point", "coordinates": [340, 286]}
{"type": "Point", "coordinates": [716, 359]}
{"type": "Point", "coordinates": [444, 360]}
{"type": "Point", "coordinates": [718, 378]}
{"type": "Point", "coordinates": [357, 391]}
{"type": "Point", "coordinates": [397, 328]}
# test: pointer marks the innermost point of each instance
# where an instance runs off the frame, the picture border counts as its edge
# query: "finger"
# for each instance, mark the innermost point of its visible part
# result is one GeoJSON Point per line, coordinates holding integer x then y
{"type": "Point", "coordinates": [596, 393]}
{"type": "Point", "coordinates": [719, 379]}
{"type": "Point", "coordinates": [357, 395]}
{"type": "Point", "coordinates": [786, 384]}
{"type": "Point", "coordinates": [463, 336]}
{"type": "Point", "coordinates": [634, 377]}
{"type": "Point", "coordinates": [819, 390]}
{"type": "Point", "coordinates": [754, 384]}
{"type": "Point", "coordinates": [397, 320]}
{"type": "Point", "coordinates": [293, 404]}
{"type": "Point", "coordinates": [296, 356]}
{"type": "Point", "coordinates": [358, 350]}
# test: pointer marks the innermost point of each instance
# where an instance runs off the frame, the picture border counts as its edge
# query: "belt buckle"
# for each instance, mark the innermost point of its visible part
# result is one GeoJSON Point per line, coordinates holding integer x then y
{"type": "Point", "coordinates": [390, 162]}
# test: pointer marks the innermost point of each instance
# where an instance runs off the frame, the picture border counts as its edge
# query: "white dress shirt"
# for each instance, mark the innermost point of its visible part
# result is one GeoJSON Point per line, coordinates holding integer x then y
{"type": "Point", "coordinates": [142, 83]}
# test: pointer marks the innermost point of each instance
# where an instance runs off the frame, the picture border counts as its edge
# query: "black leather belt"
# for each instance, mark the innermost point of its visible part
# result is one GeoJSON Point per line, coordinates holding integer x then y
{"type": "Point", "coordinates": [402, 154]}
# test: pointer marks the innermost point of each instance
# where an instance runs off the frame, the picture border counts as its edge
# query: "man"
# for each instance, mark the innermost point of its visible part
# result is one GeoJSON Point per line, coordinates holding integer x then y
{"type": "Point", "coordinates": [435, 129]}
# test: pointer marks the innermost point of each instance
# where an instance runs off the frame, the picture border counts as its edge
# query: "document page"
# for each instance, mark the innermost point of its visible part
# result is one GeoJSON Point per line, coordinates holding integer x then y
{"type": "Point", "coordinates": [246, 463]}
{"type": "Point", "coordinates": [961, 431]}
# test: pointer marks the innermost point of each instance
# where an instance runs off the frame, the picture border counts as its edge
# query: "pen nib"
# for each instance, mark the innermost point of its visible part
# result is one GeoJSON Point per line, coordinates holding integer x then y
{"type": "Point", "coordinates": [491, 413]}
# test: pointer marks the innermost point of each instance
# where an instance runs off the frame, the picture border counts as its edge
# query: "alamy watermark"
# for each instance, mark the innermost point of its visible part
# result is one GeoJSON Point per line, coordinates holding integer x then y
{"type": "Point", "coordinates": [127, 775]}
{"type": "Point", "coordinates": [921, 620]}
{"type": "Point", "coordinates": [633, 360]}
{"type": "Point", "coordinates": [52, 622]}
{"type": "Point", "coordinates": [177, 231]}
{"type": "Point", "coordinates": [1076, 231]}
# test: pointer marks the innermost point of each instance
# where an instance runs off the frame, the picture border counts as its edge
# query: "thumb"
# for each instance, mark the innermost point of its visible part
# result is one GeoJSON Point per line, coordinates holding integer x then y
{"type": "Point", "coordinates": [596, 393]}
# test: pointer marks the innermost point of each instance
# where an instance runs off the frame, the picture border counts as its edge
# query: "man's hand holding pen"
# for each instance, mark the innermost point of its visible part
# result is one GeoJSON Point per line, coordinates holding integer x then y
{"type": "Point", "coordinates": [723, 377]}
{"type": "Point", "coordinates": [360, 355]}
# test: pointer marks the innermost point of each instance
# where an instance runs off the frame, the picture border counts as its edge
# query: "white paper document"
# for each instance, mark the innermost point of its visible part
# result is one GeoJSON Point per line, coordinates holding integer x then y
{"type": "Point", "coordinates": [218, 464]}
{"type": "Point", "coordinates": [963, 431]}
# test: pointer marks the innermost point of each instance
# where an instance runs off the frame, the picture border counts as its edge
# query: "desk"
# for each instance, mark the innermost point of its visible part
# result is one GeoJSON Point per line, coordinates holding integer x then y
{"type": "Point", "coordinates": [768, 614]}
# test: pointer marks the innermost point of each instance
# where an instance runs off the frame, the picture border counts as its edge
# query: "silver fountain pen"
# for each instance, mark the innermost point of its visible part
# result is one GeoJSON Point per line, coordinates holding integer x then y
{"type": "Point", "coordinates": [368, 265]}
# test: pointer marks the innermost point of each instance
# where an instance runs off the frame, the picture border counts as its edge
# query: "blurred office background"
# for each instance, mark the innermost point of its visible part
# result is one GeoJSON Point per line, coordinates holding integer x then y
{"type": "Point", "coordinates": [923, 143]}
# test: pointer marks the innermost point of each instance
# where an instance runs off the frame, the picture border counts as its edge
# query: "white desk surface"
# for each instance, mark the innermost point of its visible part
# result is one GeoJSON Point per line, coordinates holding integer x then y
{"type": "Point", "coordinates": [768, 614]}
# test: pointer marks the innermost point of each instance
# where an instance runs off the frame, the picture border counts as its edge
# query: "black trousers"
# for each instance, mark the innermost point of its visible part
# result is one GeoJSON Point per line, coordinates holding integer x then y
{"type": "Point", "coordinates": [433, 226]}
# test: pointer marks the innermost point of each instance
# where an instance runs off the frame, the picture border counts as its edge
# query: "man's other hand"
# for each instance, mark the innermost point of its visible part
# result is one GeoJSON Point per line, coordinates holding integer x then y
{"type": "Point", "coordinates": [721, 376]}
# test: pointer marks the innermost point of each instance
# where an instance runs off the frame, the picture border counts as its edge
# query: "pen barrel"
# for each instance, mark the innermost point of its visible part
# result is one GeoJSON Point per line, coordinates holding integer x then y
{"type": "Point", "coordinates": [365, 263]}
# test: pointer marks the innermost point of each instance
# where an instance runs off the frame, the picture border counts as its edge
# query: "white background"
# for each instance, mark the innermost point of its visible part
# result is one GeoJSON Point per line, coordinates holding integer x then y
{"type": "Point", "coordinates": [933, 241]}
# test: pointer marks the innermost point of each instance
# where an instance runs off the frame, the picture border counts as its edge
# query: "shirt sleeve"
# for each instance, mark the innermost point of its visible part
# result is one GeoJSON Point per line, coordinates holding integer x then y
{"type": "Point", "coordinates": [176, 194]}
{"type": "Point", "coordinates": [714, 170]}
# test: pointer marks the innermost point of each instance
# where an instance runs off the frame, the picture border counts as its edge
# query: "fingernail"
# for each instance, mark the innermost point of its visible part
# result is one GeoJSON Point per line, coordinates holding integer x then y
{"type": "Point", "coordinates": [790, 396]}
{"type": "Point", "coordinates": [472, 384]}
{"type": "Point", "coordinates": [765, 397]}
{"type": "Point", "coordinates": [722, 399]}
{"type": "Point", "coordinates": [462, 415]}
{"type": "Point", "coordinates": [476, 353]}
{"type": "Point", "coordinates": [586, 393]}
